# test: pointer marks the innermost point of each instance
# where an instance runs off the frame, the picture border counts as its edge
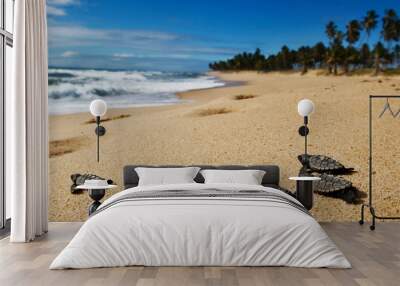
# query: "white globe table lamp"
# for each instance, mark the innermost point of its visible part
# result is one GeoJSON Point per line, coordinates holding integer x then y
{"type": "Point", "coordinates": [98, 108]}
{"type": "Point", "coordinates": [305, 107]}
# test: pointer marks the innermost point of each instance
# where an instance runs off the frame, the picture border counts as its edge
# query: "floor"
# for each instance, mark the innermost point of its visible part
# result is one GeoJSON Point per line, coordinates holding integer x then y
{"type": "Point", "coordinates": [375, 257]}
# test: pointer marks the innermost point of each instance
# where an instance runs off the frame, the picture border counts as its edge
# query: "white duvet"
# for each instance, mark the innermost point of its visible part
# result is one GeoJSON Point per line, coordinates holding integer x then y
{"type": "Point", "coordinates": [200, 231]}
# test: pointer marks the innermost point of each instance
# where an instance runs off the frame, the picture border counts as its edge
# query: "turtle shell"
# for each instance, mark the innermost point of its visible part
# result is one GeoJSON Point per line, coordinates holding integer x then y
{"type": "Point", "coordinates": [321, 163]}
{"type": "Point", "coordinates": [80, 179]}
{"type": "Point", "coordinates": [331, 184]}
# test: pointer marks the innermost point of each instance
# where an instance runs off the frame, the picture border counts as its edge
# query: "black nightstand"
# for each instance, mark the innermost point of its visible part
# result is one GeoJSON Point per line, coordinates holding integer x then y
{"type": "Point", "coordinates": [304, 190]}
{"type": "Point", "coordinates": [96, 194]}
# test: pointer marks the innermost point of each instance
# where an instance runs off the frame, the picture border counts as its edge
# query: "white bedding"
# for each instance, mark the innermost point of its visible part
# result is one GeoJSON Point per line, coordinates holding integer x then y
{"type": "Point", "coordinates": [200, 231]}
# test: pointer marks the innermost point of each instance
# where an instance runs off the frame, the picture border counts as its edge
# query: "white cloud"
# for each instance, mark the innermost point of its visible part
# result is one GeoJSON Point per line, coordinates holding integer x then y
{"type": "Point", "coordinates": [56, 7]}
{"type": "Point", "coordinates": [122, 55]}
{"type": "Point", "coordinates": [62, 2]}
{"type": "Point", "coordinates": [69, 54]}
{"type": "Point", "coordinates": [119, 56]}
{"type": "Point", "coordinates": [54, 11]}
{"type": "Point", "coordinates": [209, 50]}
{"type": "Point", "coordinates": [128, 45]}
{"type": "Point", "coordinates": [75, 36]}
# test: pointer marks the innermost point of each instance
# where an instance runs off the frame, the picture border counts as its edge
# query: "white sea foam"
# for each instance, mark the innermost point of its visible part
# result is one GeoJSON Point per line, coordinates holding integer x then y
{"type": "Point", "coordinates": [71, 90]}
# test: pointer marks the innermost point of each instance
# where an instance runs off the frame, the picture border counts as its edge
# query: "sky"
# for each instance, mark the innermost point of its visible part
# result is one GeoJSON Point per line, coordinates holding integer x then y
{"type": "Point", "coordinates": [187, 35]}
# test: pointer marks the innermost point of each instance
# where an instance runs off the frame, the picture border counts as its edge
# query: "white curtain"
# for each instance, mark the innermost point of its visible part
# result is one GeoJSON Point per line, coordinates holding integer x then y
{"type": "Point", "coordinates": [27, 124]}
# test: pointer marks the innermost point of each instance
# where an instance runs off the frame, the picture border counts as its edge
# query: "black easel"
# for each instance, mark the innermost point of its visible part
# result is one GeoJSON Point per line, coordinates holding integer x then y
{"type": "Point", "coordinates": [370, 202]}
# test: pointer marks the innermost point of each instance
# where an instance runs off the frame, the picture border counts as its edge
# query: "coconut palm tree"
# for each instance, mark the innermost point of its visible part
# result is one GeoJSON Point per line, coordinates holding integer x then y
{"type": "Point", "coordinates": [319, 53]}
{"type": "Point", "coordinates": [369, 22]}
{"type": "Point", "coordinates": [271, 63]}
{"type": "Point", "coordinates": [331, 31]}
{"type": "Point", "coordinates": [380, 55]}
{"type": "Point", "coordinates": [336, 50]}
{"type": "Point", "coordinates": [351, 57]}
{"type": "Point", "coordinates": [258, 60]}
{"type": "Point", "coordinates": [336, 53]}
{"type": "Point", "coordinates": [365, 56]}
{"type": "Point", "coordinates": [390, 32]}
{"type": "Point", "coordinates": [286, 58]}
{"type": "Point", "coordinates": [353, 31]}
{"type": "Point", "coordinates": [396, 51]}
{"type": "Point", "coordinates": [305, 58]}
{"type": "Point", "coordinates": [390, 27]}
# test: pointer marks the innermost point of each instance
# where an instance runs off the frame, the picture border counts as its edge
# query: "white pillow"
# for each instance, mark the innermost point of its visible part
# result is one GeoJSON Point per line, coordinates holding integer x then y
{"type": "Point", "coordinates": [248, 177]}
{"type": "Point", "coordinates": [165, 176]}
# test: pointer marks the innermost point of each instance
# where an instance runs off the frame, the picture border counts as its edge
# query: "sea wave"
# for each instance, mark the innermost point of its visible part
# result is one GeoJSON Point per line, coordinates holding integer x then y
{"type": "Point", "coordinates": [72, 90]}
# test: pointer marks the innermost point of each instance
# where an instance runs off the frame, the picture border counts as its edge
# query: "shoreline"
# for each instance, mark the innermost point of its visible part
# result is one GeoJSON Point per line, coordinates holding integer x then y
{"type": "Point", "coordinates": [181, 97]}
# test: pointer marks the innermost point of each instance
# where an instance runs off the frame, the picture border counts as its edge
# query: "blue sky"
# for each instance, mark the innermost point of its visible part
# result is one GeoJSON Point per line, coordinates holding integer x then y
{"type": "Point", "coordinates": [187, 35]}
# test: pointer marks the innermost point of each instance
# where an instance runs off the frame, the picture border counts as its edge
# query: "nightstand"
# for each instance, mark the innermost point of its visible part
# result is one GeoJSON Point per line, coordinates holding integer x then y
{"type": "Point", "coordinates": [304, 190]}
{"type": "Point", "coordinates": [96, 194]}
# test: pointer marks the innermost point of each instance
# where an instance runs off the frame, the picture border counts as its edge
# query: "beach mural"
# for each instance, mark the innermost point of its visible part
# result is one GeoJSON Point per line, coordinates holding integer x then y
{"type": "Point", "coordinates": [179, 99]}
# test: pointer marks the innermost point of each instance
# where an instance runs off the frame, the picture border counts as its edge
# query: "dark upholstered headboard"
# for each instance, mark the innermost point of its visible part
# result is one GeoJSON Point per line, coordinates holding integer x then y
{"type": "Point", "coordinates": [271, 177]}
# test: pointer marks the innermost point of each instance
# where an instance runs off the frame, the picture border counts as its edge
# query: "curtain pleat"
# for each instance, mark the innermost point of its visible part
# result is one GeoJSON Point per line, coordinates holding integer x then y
{"type": "Point", "coordinates": [28, 158]}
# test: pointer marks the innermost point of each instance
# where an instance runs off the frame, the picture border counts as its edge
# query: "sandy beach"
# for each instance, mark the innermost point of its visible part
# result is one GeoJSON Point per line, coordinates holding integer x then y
{"type": "Point", "coordinates": [252, 123]}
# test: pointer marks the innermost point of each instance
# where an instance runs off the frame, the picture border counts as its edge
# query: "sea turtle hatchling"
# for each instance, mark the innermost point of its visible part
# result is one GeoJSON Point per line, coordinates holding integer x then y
{"type": "Point", "coordinates": [78, 179]}
{"type": "Point", "coordinates": [324, 164]}
{"type": "Point", "coordinates": [337, 187]}
{"type": "Point", "coordinates": [330, 184]}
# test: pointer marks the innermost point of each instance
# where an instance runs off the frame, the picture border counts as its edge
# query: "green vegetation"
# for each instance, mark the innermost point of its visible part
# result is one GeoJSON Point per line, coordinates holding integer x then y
{"type": "Point", "coordinates": [344, 50]}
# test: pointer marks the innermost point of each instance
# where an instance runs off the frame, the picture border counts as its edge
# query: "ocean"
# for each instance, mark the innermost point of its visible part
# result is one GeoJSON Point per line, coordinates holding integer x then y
{"type": "Point", "coordinates": [72, 90]}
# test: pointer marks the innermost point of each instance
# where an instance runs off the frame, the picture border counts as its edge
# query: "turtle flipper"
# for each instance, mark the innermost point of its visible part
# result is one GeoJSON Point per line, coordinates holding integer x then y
{"type": "Point", "coordinates": [344, 171]}
{"type": "Point", "coordinates": [304, 171]}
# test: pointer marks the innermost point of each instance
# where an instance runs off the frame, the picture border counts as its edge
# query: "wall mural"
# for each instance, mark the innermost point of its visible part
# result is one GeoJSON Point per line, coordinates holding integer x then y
{"type": "Point", "coordinates": [241, 109]}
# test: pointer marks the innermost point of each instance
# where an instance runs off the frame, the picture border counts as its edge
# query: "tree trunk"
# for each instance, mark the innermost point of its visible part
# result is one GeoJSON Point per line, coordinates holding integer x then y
{"type": "Point", "coordinates": [304, 69]}
{"type": "Point", "coordinates": [329, 68]}
{"type": "Point", "coordinates": [377, 64]}
{"type": "Point", "coordinates": [335, 69]}
{"type": "Point", "coordinates": [346, 68]}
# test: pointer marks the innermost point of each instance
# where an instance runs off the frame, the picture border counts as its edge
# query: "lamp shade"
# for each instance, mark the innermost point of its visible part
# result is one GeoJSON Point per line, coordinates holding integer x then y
{"type": "Point", "coordinates": [305, 107]}
{"type": "Point", "coordinates": [98, 107]}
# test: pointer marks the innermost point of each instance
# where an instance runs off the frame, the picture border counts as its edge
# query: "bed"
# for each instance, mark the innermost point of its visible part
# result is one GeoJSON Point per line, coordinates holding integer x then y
{"type": "Point", "coordinates": [198, 224]}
